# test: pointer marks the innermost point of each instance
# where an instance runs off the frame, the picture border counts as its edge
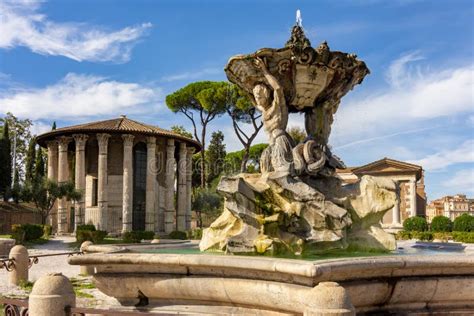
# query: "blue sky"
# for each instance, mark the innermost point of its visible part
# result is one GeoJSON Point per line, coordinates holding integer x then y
{"type": "Point", "coordinates": [77, 61]}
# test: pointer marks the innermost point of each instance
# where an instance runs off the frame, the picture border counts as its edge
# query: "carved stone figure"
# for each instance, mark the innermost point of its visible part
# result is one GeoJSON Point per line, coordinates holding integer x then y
{"type": "Point", "coordinates": [297, 204]}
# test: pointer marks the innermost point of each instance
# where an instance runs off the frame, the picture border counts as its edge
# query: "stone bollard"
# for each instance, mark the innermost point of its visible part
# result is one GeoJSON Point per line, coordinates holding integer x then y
{"type": "Point", "coordinates": [51, 295]}
{"type": "Point", "coordinates": [19, 272]}
{"type": "Point", "coordinates": [329, 298]}
{"type": "Point", "coordinates": [85, 270]}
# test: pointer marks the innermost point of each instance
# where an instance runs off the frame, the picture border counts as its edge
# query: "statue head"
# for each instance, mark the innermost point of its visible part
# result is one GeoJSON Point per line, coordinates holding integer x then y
{"type": "Point", "coordinates": [261, 94]}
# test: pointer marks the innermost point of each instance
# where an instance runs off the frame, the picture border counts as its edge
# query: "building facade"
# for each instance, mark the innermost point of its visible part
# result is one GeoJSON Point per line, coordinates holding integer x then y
{"type": "Point", "coordinates": [133, 176]}
{"type": "Point", "coordinates": [409, 179]}
{"type": "Point", "coordinates": [450, 206]}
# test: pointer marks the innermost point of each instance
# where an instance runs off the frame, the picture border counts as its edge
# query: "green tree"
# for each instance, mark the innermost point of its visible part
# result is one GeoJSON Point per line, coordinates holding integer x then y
{"type": "Point", "coordinates": [242, 111]}
{"type": "Point", "coordinates": [20, 135]}
{"type": "Point", "coordinates": [297, 134]}
{"type": "Point", "coordinates": [43, 193]}
{"type": "Point", "coordinates": [464, 223]}
{"type": "Point", "coordinates": [234, 159]}
{"type": "Point", "coordinates": [206, 202]}
{"type": "Point", "coordinates": [201, 102]}
{"type": "Point", "coordinates": [16, 190]}
{"type": "Point", "coordinates": [54, 126]}
{"type": "Point", "coordinates": [30, 160]}
{"type": "Point", "coordinates": [415, 223]}
{"type": "Point", "coordinates": [40, 165]}
{"type": "Point", "coordinates": [215, 155]}
{"type": "Point", "coordinates": [5, 163]}
{"type": "Point", "coordinates": [179, 129]}
{"type": "Point", "coordinates": [441, 224]}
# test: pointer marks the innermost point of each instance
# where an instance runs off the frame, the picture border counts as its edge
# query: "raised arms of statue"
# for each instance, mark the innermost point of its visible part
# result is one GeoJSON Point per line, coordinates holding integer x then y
{"type": "Point", "coordinates": [278, 94]}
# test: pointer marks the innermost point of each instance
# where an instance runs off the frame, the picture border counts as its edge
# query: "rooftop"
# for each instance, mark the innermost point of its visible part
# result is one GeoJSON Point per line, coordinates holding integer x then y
{"type": "Point", "coordinates": [120, 125]}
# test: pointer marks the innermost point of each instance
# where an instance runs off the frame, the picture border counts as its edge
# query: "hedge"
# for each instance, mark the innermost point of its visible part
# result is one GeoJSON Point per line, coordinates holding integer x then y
{"type": "Point", "coordinates": [194, 233]}
{"type": "Point", "coordinates": [464, 223]}
{"type": "Point", "coordinates": [88, 227]}
{"type": "Point", "coordinates": [178, 235]}
{"type": "Point", "coordinates": [137, 236]}
{"type": "Point", "coordinates": [27, 232]}
{"type": "Point", "coordinates": [96, 236]}
{"type": "Point", "coordinates": [465, 237]}
{"type": "Point", "coordinates": [441, 224]}
{"type": "Point", "coordinates": [415, 223]}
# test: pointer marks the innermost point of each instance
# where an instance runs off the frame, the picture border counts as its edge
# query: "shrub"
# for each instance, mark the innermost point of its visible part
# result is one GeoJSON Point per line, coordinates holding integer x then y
{"type": "Point", "coordinates": [194, 233]}
{"type": "Point", "coordinates": [27, 232]}
{"type": "Point", "coordinates": [178, 235]}
{"type": "Point", "coordinates": [415, 223]}
{"type": "Point", "coordinates": [424, 236]}
{"type": "Point", "coordinates": [464, 223]}
{"type": "Point", "coordinates": [88, 227]}
{"type": "Point", "coordinates": [403, 235]}
{"type": "Point", "coordinates": [443, 236]}
{"type": "Point", "coordinates": [465, 237]}
{"type": "Point", "coordinates": [18, 233]}
{"type": "Point", "coordinates": [137, 236]}
{"type": "Point", "coordinates": [47, 230]}
{"type": "Point", "coordinates": [96, 236]}
{"type": "Point", "coordinates": [441, 224]}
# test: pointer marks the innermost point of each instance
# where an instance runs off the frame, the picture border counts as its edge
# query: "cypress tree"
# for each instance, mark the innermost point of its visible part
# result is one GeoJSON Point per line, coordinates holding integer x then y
{"type": "Point", "coordinates": [30, 160]}
{"type": "Point", "coordinates": [5, 163]}
{"type": "Point", "coordinates": [39, 165]}
{"type": "Point", "coordinates": [54, 126]}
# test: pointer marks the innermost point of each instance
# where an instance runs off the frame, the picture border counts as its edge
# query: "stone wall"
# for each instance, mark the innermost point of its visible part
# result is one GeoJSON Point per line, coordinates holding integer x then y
{"type": "Point", "coordinates": [115, 187]}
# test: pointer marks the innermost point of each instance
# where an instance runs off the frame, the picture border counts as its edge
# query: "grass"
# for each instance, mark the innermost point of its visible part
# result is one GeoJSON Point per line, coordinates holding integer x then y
{"type": "Point", "coordinates": [106, 241]}
{"type": "Point", "coordinates": [80, 285]}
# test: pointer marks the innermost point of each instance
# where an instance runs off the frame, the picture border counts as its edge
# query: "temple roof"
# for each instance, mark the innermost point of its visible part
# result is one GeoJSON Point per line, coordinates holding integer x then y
{"type": "Point", "coordinates": [121, 125]}
{"type": "Point", "coordinates": [385, 165]}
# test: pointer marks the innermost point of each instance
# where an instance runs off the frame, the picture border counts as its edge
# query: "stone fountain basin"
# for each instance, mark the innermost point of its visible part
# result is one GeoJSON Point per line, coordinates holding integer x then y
{"type": "Point", "coordinates": [375, 284]}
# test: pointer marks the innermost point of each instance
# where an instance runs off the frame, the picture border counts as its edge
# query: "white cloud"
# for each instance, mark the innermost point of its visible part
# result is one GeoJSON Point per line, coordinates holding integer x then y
{"type": "Point", "coordinates": [461, 182]}
{"type": "Point", "coordinates": [192, 75]}
{"type": "Point", "coordinates": [78, 96]}
{"type": "Point", "coordinates": [40, 128]}
{"type": "Point", "coordinates": [448, 157]}
{"type": "Point", "coordinates": [412, 96]}
{"type": "Point", "coordinates": [22, 25]}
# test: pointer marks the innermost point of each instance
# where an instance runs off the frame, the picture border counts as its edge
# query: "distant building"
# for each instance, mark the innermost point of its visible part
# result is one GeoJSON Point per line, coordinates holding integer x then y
{"type": "Point", "coordinates": [409, 179]}
{"type": "Point", "coordinates": [450, 206]}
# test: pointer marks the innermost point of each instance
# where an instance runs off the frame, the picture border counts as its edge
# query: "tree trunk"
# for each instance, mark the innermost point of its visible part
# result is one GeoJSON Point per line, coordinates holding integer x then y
{"type": "Point", "coordinates": [203, 157]}
{"type": "Point", "coordinates": [245, 158]}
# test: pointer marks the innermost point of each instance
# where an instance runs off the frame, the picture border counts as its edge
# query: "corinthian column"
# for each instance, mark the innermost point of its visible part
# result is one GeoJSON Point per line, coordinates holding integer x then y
{"type": "Point", "coordinates": [189, 178]}
{"type": "Point", "coordinates": [412, 198]}
{"type": "Point", "coordinates": [150, 183]}
{"type": "Point", "coordinates": [182, 199]}
{"type": "Point", "coordinates": [170, 178]}
{"type": "Point", "coordinates": [80, 177]}
{"type": "Point", "coordinates": [103, 140]}
{"type": "Point", "coordinates": [52, 172]}
{"type": "Point", "coordinates": [396, 207]}
{"type": "Point", "coordinates": [127, 204]}
{"type": "Point", "coordinates": [63, 176]}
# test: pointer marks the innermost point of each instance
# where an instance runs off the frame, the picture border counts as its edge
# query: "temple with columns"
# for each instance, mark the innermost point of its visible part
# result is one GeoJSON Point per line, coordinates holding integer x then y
{"type": "Point", "coordinates": [133, 176]}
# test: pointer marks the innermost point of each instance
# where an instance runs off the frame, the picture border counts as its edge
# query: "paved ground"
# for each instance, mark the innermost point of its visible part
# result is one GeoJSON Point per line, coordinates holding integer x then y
{"type": "Point", "coordinates": [45, 265]}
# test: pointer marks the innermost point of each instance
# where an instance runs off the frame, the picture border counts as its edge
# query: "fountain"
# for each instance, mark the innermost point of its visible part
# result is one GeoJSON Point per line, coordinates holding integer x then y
{"type": "Point", "coordinates": [297, 205]}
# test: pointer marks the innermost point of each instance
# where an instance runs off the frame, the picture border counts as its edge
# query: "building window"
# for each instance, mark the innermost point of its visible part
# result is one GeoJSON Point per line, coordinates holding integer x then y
{"type": "Point", "coordinates": [94, 192]}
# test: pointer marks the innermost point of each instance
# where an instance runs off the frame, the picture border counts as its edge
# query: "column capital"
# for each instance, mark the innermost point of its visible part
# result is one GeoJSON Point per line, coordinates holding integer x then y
{"type": "Point", "coordinates": [191, 150]}
{"type": "Point", "coordinates": [128, 139]}
{"type": "Point", "coordinates": [63, 142]}
{"type": "Point", "coordinates": [103, 140]}
{"type": "Point", "coordinates": [80, 139]}
{"type": "Point", "coordinates": [151, 141]}
{"type": "Point", "coordinates": [52, 144]}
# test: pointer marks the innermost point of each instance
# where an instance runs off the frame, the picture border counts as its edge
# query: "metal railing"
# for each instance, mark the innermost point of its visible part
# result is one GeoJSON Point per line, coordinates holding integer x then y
{"type": "Point", "coordinates": [9, 263]}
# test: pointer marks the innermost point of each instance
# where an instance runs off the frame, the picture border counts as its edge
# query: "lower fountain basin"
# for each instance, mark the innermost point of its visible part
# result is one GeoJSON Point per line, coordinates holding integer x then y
{"type": "Point", "coordinates": [375, 284]}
